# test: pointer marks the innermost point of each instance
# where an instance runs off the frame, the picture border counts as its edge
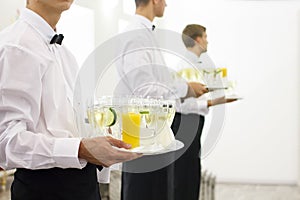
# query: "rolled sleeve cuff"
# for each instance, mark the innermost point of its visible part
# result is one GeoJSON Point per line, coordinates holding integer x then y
{"type": "Point", "coordinates": [65, 153]}
{"type": "Point", "coordinates": [182, 89]}
{"type": "Point", "coordinates": [202, 107]}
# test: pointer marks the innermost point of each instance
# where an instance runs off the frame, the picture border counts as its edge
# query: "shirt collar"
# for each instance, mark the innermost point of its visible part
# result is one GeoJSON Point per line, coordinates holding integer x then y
{"type": "Point", "coordinates": [145, 21]}
{"type": "Point", "coordinates": [192, 57]}
{"type": "Point", "coordinates": [38, 23]}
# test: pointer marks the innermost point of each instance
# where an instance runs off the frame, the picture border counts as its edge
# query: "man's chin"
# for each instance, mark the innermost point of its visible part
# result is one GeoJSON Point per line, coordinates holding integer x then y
{"type": "Point", "coordinates": [66, 6]}
{"type": "Point", "coordinates": [161, 15]}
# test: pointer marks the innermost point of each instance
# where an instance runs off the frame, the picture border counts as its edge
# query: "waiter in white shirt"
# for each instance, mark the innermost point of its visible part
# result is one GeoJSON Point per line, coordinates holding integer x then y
{"type": "Point", "coordinates": [143, 72]}
{"type": "Point", "coordinates": [37, 131]}
{"type": "Point", "coordinates": [187, 182]}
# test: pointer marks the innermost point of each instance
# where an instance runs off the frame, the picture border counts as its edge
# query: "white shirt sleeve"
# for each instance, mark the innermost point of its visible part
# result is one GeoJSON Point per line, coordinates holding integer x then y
{"type": "Point", "coordinates": [195, 106]}
{"type": "Point", "coordinates": [21, 88]}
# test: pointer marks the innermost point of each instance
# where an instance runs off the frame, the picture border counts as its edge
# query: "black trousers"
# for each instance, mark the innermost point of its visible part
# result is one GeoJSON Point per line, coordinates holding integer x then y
{"type": "Point", "coordinates": [187, 173]}
{"type": "Point", "coordinates": [147, 179]}
{"type": "Point", "coordinates": [56, 184]}
{"type": "Point", "coordinates": [175, 181]}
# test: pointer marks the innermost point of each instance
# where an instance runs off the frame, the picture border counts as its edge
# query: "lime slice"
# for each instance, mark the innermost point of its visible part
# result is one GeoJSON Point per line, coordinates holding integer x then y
{"type": "Point", "coordinates": [144, 112]}
{"type": "Point", "coordinates": [111, 117]}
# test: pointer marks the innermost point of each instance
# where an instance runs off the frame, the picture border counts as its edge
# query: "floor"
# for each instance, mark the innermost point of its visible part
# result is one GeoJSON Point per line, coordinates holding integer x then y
{"type": "Point", "coordinates": [256, 192]}
{"type": "Point", "coordinates": [223, 191]}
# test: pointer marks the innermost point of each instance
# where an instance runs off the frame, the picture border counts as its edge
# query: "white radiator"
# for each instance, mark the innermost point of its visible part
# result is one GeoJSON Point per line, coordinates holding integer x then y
{"type": "Point", "coordinates": [207, 188]}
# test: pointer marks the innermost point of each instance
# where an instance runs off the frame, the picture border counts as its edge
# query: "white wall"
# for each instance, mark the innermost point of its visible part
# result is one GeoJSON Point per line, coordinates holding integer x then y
{"type": "Point", "coordinates": [78, 27]}
{"type": "Point", "coordinates": [9, 11]}
{"type": "Point", "coordinates": [106, 17]}
{"type": "Point", "coordinates": [259, 44]}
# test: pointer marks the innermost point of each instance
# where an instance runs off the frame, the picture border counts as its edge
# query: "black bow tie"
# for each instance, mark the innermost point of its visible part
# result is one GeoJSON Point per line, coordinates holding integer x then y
{"type": "Point", "coordinates": [57, 39]}
{"type": "Point", "coordinates": [153, 27]}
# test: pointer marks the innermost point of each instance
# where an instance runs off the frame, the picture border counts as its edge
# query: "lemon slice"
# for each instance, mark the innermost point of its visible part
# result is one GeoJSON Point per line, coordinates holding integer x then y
{"type": "Point", "coordinates": [111, 117]}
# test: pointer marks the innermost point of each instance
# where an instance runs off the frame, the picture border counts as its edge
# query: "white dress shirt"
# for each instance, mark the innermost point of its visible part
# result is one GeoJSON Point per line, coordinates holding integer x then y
{"type": "Point", "coordinates": [37, 127]}
{"type": "Point", "coordinates": [141, 67]}
{"type": "Point", "coordinates": [205, 62]}
{"type": "Point", "coordinates": [192, 105]}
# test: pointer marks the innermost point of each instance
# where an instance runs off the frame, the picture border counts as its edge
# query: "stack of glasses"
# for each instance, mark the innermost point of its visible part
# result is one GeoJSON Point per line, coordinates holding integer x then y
{"type": "Point", "coordinates": [134, 120]}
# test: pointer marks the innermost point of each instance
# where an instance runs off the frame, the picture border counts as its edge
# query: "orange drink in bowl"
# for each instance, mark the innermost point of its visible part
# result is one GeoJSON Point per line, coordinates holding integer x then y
{"type": "Point", "coordinates": [131, 123]}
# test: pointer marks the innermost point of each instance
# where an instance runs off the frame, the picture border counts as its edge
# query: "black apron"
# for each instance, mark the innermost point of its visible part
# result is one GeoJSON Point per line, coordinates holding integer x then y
{"type": "Point", "coordinates": [149, 185]}
{"type": "Point", "coordinates": [187, 176]}
{"type": "Point", "coordinates": [170, 182]}
{"type": "Point", "coordinates": [56, 184]}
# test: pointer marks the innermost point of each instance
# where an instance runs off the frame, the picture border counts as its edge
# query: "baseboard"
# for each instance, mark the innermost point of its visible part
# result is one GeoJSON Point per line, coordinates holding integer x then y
{"type": "Point", "coordinates": [257, 182]}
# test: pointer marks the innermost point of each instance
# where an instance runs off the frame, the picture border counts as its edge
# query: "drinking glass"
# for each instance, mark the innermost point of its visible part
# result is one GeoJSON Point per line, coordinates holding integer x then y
{"type": "Point", "coordinates": [104, 117]}
{"type": "Point", "coordinates": [131, 122]}
{"type": "Point", "coordinates": [171, 111]}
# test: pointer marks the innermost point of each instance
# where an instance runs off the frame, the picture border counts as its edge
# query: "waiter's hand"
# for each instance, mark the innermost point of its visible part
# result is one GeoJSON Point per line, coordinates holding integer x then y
{"type": "Point", "coordinates": [196, 89]}
{"type": "Point", "coordinates": [100, 151]}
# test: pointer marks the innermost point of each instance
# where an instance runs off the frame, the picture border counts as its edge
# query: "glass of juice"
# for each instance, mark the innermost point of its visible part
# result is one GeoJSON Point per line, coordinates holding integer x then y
{"type": "Point", "coordinates": [131, 123]}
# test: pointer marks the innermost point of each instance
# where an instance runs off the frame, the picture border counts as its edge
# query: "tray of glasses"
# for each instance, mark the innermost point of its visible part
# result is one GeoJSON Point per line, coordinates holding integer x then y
{"type": "Point", "coordinates": [233, 96]}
